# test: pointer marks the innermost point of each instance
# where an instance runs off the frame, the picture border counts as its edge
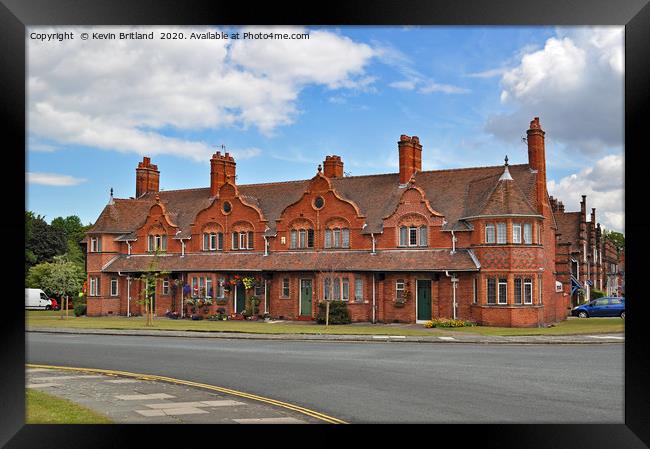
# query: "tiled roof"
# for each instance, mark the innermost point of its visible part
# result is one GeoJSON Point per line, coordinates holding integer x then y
{"type": "Point", "coordinates": [386, 260]}
{"type": "Point", "coordinates": [455, 193]}
{"type": "Point", "coordinates": [568, 224]}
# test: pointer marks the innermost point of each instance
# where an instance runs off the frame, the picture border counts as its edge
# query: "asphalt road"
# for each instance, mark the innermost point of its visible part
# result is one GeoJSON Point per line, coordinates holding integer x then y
{"type": "Point", "coordinates": [376, 382]}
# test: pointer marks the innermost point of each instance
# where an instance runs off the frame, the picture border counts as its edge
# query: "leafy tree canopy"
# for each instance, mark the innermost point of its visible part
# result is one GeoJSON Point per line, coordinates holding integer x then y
{"type": "Point", "coordinates": [60, 276]}
{"type": "Point", "coordinates": [617, 238]}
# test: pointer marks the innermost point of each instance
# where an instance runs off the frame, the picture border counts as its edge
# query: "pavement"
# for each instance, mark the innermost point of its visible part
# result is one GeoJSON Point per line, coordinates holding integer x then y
{"type": "Point", "coordinates": [147, 400]}
{"type": "Point", "coordinates": [456, 338]}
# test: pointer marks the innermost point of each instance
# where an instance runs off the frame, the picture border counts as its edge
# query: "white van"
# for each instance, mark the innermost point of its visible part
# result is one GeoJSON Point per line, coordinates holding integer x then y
{"type": "Point", "coordinates": [35, 298]}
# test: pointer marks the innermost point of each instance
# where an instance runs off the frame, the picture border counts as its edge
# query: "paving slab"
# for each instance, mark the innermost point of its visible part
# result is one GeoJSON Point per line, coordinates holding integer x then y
{"type": "Point", "coordinates": [131, 402]}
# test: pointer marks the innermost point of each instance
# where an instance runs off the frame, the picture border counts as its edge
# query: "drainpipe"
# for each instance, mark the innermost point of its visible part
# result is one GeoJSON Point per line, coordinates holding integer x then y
{"type": "Point", "coordinates": [128, 244]}
{"type": "Point", "coordinates": [128, 296]}
{"type": "Point", "coordinates": [266, 250]}
{"type": "Point", "coordinates": [265, 295]}
{"type": "Point", "coordinates": [374, 301]}
{"type": "Point", "coordinates": [373, 243]}
{"type": "Point", "coordinates": [182, 248]}
{"type": "Point", "coordinates": [453, 242]}
{"type": "Point", "coordinates": [454, 281]}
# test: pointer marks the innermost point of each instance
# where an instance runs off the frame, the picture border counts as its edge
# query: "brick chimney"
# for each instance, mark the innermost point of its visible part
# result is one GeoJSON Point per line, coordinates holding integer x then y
{"type": "Point", "coordinates": [410, 157]}
{"type": "Point", "coordinates": [537, 159]}
{"type": "Point", "coordinates": [333, 167]}
{"type": "Point", "coordinates": [147, 177]}
{"type": "Point", "coordinates": [221, 169]}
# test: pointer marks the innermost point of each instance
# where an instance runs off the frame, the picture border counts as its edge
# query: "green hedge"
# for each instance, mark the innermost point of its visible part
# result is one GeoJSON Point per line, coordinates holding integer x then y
{"type": "Point", "coordinates": [595, 294]}
{"type": "Point", "coordinates": [339, 313]}
{"type": "Point", "coordinates": [79, 309]}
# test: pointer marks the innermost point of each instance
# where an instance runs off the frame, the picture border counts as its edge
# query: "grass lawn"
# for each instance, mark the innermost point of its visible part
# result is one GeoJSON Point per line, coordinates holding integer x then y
{"type": "Point", "coordinates": [37, 319]}
{"type": "Point", "coordinates": [43, 408]}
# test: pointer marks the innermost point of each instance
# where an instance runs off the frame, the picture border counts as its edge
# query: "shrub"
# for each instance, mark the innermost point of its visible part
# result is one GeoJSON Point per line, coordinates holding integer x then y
{"type": "Point", "coordinates": [339, 313]}
{"type": "Point", "coordinates": [446, 322]}
{"type": "Point", "coordinates": [595, 293]}
{"type": "Point", "coordinates": [79, 309]}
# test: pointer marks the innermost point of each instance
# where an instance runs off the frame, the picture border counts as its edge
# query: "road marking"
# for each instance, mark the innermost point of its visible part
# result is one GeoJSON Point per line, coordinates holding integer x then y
{"type": "Point", "coordinates": [43, 385]}
{"type": "Point", "coordinates": [447, 338]}
{"type": "Point", "coordinates": [606, 336]}
{"type": "Point", "coordinates": [140, 396]}
{"type": "Point", "coordinates": [195, 404]}
{"type": "Point", "coordinates": [184, 411]}
{"type": "Point", "coordinates": [151, 412]}
{"type": "Point", "coordinates": [283, 420]}
{"type": "Point", "coordinates": [123, 381]}
{"type": "Point", "coordinates": [223, 403]}
{"type": "Point", "coordinates": [296, 408]}
{"type": "Point", "coordinates": [36, 370]}
{"type": "Point", "coordinates": [380, 337]}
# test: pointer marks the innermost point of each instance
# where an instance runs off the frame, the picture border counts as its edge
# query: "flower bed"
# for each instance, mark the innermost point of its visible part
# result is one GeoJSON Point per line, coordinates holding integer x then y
{"type": "Point", "coordinates": [447, 322]}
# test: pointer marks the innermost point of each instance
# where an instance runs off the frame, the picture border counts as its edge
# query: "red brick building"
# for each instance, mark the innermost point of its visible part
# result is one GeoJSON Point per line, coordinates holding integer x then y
{"type": "Point", "coordinates": [474, 243]}
{"type": "Point", "coordinates": [585, 258]}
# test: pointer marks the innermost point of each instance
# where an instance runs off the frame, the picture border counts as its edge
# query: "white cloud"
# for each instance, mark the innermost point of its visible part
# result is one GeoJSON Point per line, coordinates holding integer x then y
{"type": "Point", "coordinates": [603, 185]}
{"type": "Point", "coordinates": [52, 179]}
{"type": "Point", "coordinates": [413, 78]}
{"type": "Point", "coordinates": [134, 95]}
{"type": "Point", "coordinates": [574, 84]}
{"type": "Point", "coordinates": [488, 73]}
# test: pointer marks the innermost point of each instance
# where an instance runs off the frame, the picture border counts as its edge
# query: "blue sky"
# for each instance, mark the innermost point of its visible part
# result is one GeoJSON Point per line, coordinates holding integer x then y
{"type": "Point", "coordinates": [96, 107]}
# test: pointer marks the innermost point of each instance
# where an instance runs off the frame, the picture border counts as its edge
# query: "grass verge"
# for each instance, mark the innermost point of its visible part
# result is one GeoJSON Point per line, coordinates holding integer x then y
{"type": "Point", "coordinates": [572, 326]}
{"type": "Point", "coordinates": [43, 408]}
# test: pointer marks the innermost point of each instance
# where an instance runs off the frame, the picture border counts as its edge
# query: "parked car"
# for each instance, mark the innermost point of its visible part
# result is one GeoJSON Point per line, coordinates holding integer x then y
{"type": "Point", "coordinates": [35, 298]}
{"type": "Point", "coordinates": [607, 306]}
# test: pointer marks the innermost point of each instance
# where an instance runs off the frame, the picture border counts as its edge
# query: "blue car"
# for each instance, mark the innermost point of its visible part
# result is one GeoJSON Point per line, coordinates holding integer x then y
{"type": "Point", "coordinates": [608, 306]}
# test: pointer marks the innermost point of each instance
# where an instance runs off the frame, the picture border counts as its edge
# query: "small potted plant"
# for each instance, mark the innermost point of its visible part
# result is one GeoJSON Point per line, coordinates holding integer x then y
{"type": "Point", "coordinates": [267, 317]}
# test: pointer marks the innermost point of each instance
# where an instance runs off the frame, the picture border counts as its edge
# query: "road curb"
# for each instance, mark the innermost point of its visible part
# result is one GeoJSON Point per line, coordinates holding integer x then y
{"type": "Point", "coordinates": [520, 340]}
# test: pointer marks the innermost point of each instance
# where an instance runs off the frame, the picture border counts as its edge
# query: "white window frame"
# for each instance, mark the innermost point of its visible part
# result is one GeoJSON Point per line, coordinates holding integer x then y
{"type": "Point", "coordinates": [490, 233]}
{"type": "Point", "coordinates": [423, 235]}
{"type": "Point", "coordinates": [286, 285]}
{"type": "Point", "coordinates": [327, 289]}
{"type": "Point", "coordinates": [94, 286]}
{"type": "Point", "coordinates": [243, 240]}
{"type": "Point", "coordinates": [345, 289]}
{"type": "Point", "coordinates": [527, 295]}
{"type": "Point", "coordinates": [487, 290]}
{"type": "Point", "coordinates": [520, 290]}
{"type": "Point", "coordinates": [502, 233]}
{"type": "Point", "coordinates": [302, 238]}
{"type": "Point", "coordinates": [220, 291]}
{"type": "Point", "coordinates": [165, 287]}
{"type": "Point", "coordinates": [400, 287]}
{"type": "Point", "coordinates": [115, 287]}
{"type": "Point", "coordinates": [528, 233]}
{"type": "Point", "coordinates": [413, 230]}
{"type": "Point", "coordinates": [94, 244]}
{"type": "Point", "coordinates": [336, 237]}
{"type": "Point", "coordinates": [293, 243]}
{"type": "Point", "coordinates": [516, 233]}
{"type": "Point", "coordinates": [358, 289]}
{"type": "Point", "coordinates": [403, 236]}
{"type": "Point", "coordinates": [328, 238]}
{"type": "Point", "coordinates": [505, 288]}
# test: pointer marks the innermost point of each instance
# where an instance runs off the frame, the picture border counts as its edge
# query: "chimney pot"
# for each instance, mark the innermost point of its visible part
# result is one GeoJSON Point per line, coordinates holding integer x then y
{"type": "Point", "coordinates": [410, 157]}
{"type": "Point", "coordinates": [333, 166]}
{"type": "Point", "coordinates": [147, 177]}
{"type": "Point", "coordinates": [222, 170]}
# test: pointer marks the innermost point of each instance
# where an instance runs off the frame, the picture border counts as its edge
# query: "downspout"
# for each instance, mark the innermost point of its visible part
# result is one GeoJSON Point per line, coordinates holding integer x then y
{"type": "Point", "coordinates": [128, 296]}
{"type": "Point", "coordinates": [454, 282]}
{"type": "Point", "coordinates": [372, 235]}
{"type": "Point", "coordinates": [453, 243]}
{"type": "Point", "coordinates": [182, 248]}
{"type": "Point", "coordinates": [374, 300]}
{"type": "Point", "coordinates": [266, 251]}
{"type": "Point", "coordinates": [128, 244]}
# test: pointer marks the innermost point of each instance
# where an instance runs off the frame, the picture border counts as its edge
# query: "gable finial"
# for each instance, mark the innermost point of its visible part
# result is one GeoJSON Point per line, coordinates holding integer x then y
{"type": "Point", "coordinates": [110, 200]}
{"type": "Point", "coordinates": [506, 160]}
{"type": "Point", "coordinates": [320, 168]}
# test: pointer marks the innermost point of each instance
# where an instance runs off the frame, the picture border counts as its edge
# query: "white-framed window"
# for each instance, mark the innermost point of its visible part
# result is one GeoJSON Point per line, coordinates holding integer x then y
{"type": "Point", "coordinates": [208, 287]}
{"type": "Point", "coordinates": [516, 233]}
{"type": "Point", "coordinates": [302, 238]}
{"type": "Point", "coordinates": [165, 286]}
{"type": "Point", "coordinates": [285, 288]}
{"type": "Point", "coordinates": [489, 233]}
{"type": "Point", "coordinates": [413, 236]}
{"type": "Point", "coordinates": [358, 289]}
{"type": "Point", "coordinates": [213, 241]}
{"type": "Point", "coordinates": [114, 286]}
{"type": "Point", "coordinates": [517, 291]}
{"type": "Point", "coordinates": [337, 289]}
{"type": "Point", "coordinates": [528, 233]}
{"type": "Point", "coordinates": [337, 238]}
{"type": "Point", "coordinates": [491, 290]}
{"type": "Point", "coordinates": [327, 289]}
{"type": "Point", "coordinates": [94, 286]}
{"type": "Point", "coordinates": [220, 287]}
{"type": "Point", "coordinates": [503, 291]}
{"type": "Point", "coordinates": [294, 239]}
{"type": "Point", "coordinates": [345, 289]}
{"type": "Point", "coordinates": [528, 291]}
{"type": "Point", "coordinates": [501, 233]}
{"type": "Point", "coordinates": [243, 244]}
{"type": "Point", "coordinates": [195, 286]}
{"type": "Point", "coordinates": [95, 244]}
{"type": "Point", "coordinates": [400, 287]}
{"type": "Point", "coordinates": [157, 242]}
{"type": "Point", "coordinates": [403, 236]}
{"type": "Point", "coordinates": [424, 236]}
{"type": "Point", "coordinates": [235, 240]}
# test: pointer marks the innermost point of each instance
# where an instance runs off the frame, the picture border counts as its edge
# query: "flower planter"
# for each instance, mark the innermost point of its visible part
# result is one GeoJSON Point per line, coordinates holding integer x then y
{"type": "Point", "coordinates": [399, 305]}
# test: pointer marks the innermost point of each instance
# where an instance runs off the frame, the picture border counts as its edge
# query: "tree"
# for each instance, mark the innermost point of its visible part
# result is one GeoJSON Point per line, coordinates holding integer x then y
{"type": "Point", "coordinates": [42, 241]}
{"type": "Point", "coordinates": [61, 276]}
{"type": "Point", "coordinates": [150, 279]}
{"type": "Point", "coordinates": [617, 238]}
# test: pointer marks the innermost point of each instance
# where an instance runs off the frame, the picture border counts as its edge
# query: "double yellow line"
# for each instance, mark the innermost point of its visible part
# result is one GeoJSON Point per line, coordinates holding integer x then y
{"type": "Point", "coordinates": [295, 408]}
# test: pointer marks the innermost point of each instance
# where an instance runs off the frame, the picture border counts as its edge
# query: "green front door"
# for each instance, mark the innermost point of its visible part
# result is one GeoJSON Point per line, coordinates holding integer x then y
{"type": "Point", "coordinates": [240, 298]}
{"type": "Point", "coordinates": [305, 297]}
{"type": "Point", "coordinates": [423, 300]}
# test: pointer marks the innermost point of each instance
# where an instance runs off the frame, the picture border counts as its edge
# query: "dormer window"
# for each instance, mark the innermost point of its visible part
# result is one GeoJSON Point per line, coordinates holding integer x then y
{"type": "Point", "coordinates": [528, 233]}
{"type": "Point", "coordinates": [337, 238]}
{"type": "Point", "coordinates": [302, 238]}
{"type": "Point", "coordinates": [489, 233]}
{"type": "Point", "coordinates": [213, 241]}
{"type": "Point", "coordinates": [501, 233]}
{"type": "Point", "coordinates": [242, 240]}
{"type": "Point", "coordinates": [413, 236]}
{"type": "Point", "coordinates": [157, 242]}
{"type": "Point", "coordinates": [95, 244]}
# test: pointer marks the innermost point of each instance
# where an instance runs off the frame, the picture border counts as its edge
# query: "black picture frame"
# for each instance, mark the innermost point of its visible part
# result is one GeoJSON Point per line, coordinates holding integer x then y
{"type": "Point", "coordinates": [15, 15]}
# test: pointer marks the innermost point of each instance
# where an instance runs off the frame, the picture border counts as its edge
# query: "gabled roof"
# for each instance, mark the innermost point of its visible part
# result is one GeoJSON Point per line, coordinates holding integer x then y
{"type": "Point", "coordinates": [455, 193]}
{"type": "Point", "coordinates": [568, 224]}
